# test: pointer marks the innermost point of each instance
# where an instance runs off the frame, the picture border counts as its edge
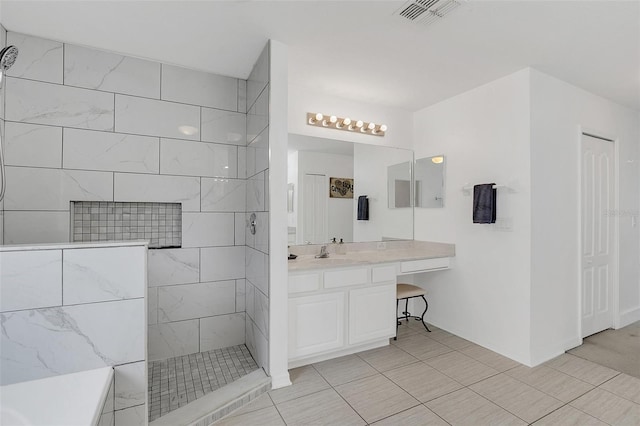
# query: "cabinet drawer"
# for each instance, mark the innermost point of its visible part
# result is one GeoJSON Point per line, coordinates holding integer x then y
{"type": "Point", "coordinates": [424, 265]}
{"type": "Point", "coordinates": [384, 273]}
{"type": "Point", "coordinates": [346, 277]}
{"type": "Point", "coordinates": [307, 282]}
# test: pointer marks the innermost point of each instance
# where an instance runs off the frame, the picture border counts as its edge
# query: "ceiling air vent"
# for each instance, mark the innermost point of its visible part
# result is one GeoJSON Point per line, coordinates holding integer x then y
{"type": "Point", "coordinates": [426, 12]}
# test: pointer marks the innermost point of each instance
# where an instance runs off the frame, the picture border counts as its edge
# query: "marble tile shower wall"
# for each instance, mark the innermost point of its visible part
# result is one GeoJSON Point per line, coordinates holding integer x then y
{"type": "Point", "coordinates": [257, 255]}
{"type": "Point", "coordinates": [88, 125]}
{"type": "Point", "coordinates": [67, 310]}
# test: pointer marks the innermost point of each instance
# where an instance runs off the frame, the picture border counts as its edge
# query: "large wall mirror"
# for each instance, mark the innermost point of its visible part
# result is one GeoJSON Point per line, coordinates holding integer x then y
{"type": "Point", "coordinates": [429, 182]}
{"type": "Point", "coordinates": [323, 208]}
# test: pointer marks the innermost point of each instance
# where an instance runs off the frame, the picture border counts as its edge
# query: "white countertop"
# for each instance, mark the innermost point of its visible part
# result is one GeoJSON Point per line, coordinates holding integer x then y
{"type": "Point", "coordinates": [66, 246]}
{"type": "Point", "coordinates": [67, 399]}
{"type": "Point", "coordinates": [366, 254]}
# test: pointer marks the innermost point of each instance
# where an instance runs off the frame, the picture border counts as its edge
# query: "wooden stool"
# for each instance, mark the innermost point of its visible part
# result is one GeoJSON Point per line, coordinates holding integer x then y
{"type": "Point", "coordinates": [406, 292]}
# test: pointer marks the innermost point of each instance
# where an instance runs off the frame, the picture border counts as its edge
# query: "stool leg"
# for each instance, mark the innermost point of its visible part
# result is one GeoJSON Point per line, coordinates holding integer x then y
{"type": "Point", "coordinates": [397, 322]}
{"type": "Point", "coordinates": [406, 309]}
{"type": "Point", "coordinates": [426, 306]}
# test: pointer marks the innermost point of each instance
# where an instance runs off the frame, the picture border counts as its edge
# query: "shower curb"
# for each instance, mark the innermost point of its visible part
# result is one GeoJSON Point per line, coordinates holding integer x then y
{"type": "Point", "coordinates": [202, 412]}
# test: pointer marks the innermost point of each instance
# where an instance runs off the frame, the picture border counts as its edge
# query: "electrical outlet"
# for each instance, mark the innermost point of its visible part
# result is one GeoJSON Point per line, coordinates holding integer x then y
{"type": "Point", "coordinates": [381, 245]}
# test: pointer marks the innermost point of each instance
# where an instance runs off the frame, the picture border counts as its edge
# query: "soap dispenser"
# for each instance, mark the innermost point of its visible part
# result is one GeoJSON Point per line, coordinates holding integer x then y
{"type": "Point", "coordinates": [341, 247]}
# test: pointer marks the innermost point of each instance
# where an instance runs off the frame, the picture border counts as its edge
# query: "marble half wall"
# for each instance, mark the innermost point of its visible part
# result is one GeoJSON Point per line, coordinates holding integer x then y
{"type": "Point", "coordinates": [70, 308]}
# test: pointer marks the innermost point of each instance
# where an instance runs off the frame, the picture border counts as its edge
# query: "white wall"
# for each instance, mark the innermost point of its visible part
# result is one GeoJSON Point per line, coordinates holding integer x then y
{"type": "Point", "coordinates": [484, 134]}
{"type": "Point", "coordinates": [301, 101]}
{"type": "Point", "coordinates": [277, 269]}
{"type": "Point", "coordinates": [558, 111]}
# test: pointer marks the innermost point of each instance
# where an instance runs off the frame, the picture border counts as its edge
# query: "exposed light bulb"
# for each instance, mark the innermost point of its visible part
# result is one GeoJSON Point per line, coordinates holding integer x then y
{"type": "Point", "coordinates": [333, 119]}
{"type": "Point", "coordinates": [346, 121]}
{"type": "Point", "coordinates": [359, 123]}
{"type": "Point", "coordinates": [383, 128]}
{"type": "Point", "coordinates": [371, 126]}
{"type": "Point", "coordinates": [319, 116]}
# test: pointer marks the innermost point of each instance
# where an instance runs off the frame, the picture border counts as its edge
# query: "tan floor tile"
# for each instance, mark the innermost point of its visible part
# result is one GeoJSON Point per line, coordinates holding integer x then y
{"type": "Point", "coordinates": [552, 382]}
{"type": "Point", "coordinates": [422, 381]}
{"type": "Point", "coordinates": [490, 358]}
{"type": "Point", "coordinates": [344, 369]}
{"type": "Point", "coordinates": [625, 386]}
{"type": "Point", "coordinates": [568, 416]}
{"type": "Point", "coordinates": [323, 408]}
{"type": "Point", "coordinates": [416, 416]}
{"type": "Point", "coordinates": [609, 408]}
{"type": "Point", "coordinates": [579, 368]}
{"type": "Point", "coordinates": [263, 401]}
{"type": "Point", "coordinates": [439, 335]}
{"type": "Point", "coordinates": [387, 357]}
{"type": "Point", "coordinates": [461, 368]}
{"type": "Point", "coordinates": [265, 417]}
{"type": "Point", "coordinates": [455, 342]}
{"type": "Point", "coordinates": [516, 397]}
{"type": "Point", "coordinates": [421, 346]}
{"type": "Point", "coordinates": [465, 407]}
{"type": "Point", "coordinates": [376, 397]}
{"type": "Point", "coordinates": [404, 330]}
{"type": "Point", "coordinates": [306, 380]}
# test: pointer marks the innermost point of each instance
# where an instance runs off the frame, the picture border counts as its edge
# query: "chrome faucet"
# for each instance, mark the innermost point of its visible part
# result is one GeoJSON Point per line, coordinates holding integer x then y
{"type": "Point", "coordinates": [323, 253]}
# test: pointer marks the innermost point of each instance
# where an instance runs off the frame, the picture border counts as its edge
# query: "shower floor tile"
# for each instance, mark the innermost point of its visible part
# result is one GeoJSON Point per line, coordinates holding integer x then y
{"type": "Point", "coordinates": [177, 381]}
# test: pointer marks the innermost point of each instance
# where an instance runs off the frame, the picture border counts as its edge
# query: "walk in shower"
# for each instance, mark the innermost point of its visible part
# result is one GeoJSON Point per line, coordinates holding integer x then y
{"type": "Point", "coordinates": [99, 146]}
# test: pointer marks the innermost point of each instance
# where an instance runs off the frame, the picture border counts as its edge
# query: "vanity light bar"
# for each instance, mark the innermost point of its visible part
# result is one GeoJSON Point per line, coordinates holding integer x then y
{"type": "Point", "coordinates": [332, 122]}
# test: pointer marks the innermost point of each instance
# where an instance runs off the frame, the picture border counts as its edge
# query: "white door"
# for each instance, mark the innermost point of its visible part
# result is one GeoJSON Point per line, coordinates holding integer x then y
{"type": "Point", "coordinates": [314, 209]}
{"type": "Point", "coordinates": [598, 243]}
{"type": "Point", "coordinates": [316, 324]}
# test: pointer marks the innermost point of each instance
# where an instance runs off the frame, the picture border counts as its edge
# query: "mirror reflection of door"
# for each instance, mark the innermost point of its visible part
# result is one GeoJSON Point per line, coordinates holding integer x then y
{"type": "Point", "coordinates": [314, 209]}
{"type": "Point", "coordinates": [429, 182]}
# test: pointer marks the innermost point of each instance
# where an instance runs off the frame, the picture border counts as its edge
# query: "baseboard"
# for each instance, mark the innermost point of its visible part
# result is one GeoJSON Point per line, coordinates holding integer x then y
{"type": "Point", "coordinates": [629, 317]}
{"type": "Point", "coordinates": [335, 354]}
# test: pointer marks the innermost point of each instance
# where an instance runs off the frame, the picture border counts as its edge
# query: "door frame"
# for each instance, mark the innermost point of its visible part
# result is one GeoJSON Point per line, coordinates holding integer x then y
{"type": "Point", "coordinates": [615, 288]}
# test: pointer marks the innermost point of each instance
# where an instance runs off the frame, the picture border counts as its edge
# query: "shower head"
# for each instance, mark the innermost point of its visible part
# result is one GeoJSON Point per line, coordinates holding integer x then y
{"type": "Point", "coordinates": [8, 56]}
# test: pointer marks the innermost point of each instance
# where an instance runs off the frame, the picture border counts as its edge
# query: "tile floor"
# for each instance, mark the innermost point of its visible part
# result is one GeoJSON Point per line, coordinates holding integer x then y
{"type": "Point", "coordinates": [177, 381]}
{"type": "Point", "coordinates": [438, 379]}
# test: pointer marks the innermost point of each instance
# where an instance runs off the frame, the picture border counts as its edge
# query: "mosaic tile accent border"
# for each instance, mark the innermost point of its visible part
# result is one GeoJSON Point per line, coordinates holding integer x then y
{"type": "Point", "coordinates": [160, 223]}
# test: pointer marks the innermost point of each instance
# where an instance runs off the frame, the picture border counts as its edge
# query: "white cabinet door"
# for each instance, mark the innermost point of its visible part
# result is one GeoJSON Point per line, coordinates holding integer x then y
{"type": "Point", "coordinates": [316, 324]}
{"type": "Point", "coordinates": [372, 313]}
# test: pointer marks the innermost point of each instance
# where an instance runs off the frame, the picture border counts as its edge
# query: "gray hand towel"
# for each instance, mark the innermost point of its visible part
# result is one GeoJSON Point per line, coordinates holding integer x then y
{"type": "Point", "coordinates": [363, 208]}
{"type": "Point", "coordinates": [484, 203]}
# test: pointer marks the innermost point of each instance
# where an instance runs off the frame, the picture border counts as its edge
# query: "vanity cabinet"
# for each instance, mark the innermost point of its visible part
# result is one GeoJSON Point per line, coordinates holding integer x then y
{"type": "Point", "coordinates": [316, 324]}
{"type": "Point", "coordinates": [339, 311]}
{"type": "Point", "coordinates": [372, 313]}
{"type": "Point", "coordinates": [347, 303]}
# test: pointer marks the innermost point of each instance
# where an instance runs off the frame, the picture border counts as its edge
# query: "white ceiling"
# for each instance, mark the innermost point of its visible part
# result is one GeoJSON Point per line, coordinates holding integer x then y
{"type": "Point", "coordinates": [357, 49]}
